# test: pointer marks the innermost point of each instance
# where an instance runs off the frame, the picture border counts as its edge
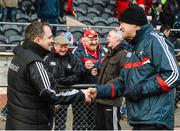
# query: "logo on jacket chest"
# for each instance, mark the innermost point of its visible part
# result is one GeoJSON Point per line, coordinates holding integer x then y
{"type": "Point", "coordinates": [52, 63]}
{"type": "Point", "coordinates": [140, 53]}
{"type": "Point", "coordinates": [69, 66]}
{"type": "Point", "coordinates": [129, 54]}
{"type": "Point", "coordinates": [14, 67]}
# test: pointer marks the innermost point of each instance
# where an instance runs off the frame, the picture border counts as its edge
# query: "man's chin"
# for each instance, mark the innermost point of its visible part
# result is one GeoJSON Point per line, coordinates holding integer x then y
{"type": "Point", "coordinates": [49, 48]}
{"type": "Point", "coordinates": [93, 49]}
{"type": "Point", "coordinates": [62, 54]}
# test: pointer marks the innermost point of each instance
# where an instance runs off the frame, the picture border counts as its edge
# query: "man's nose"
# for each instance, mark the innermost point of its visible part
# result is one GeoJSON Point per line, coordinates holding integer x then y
{"type": "Point", "coordinates": [94, 42]}
{"type": "Point", "coordinates": [52, 40]}
{"type": "Point", "coordinates": [64, 49]}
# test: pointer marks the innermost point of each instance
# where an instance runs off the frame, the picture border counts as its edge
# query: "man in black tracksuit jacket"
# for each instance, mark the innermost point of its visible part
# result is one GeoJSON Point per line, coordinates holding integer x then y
{"type": "Point", "coordinates": [32, 91]}
{"type": "Point", "coordinates": [66, 70]}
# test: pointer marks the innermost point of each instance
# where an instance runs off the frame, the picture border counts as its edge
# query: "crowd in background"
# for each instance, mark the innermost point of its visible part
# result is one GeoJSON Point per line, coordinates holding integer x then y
{"type": "Point", "coordinates": [162, 11]}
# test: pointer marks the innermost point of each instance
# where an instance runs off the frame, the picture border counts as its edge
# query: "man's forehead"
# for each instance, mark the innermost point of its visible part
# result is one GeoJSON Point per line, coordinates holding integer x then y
{"type": "Point", "coordinates": [61, 45]}
{"type": "Point", "coordinates": [46, 28]}
{"type": "Point", "coordinates": [93, 38]}
{"type": "Point", "coordinates": [47, 31]}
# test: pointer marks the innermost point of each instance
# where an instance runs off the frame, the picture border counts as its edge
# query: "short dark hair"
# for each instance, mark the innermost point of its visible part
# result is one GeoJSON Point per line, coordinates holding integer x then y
{"type": "Point", "coordinates": [165, 27]}
{"type": "Point", "coordinates": [35, 29]}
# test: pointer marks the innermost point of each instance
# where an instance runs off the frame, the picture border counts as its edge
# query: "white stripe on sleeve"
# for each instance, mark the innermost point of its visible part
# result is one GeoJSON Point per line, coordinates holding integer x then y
{"type": "Point", "coordinates": [175, 73]}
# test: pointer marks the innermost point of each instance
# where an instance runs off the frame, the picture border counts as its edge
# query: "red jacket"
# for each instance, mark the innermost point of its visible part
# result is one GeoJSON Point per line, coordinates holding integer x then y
{"type": "Point", "coordinates": [123, 4]}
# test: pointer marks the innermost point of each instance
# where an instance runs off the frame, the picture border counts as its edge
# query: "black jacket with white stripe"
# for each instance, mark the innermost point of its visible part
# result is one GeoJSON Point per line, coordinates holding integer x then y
{"type": "Point", "coordinates": [66, 69]}
{"type": "Point", "coordinates": [32, 91]}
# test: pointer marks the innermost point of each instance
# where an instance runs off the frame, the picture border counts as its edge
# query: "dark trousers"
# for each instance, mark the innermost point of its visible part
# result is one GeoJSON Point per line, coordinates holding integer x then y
{"type": "Point", "coordinates": [107, 117]}
{"type": "Point", "coordinates": [51, 21]}
{"type": "Point", "coordinates": [9, 12]}
{"type": "Point", "coordinates": [149, 127]}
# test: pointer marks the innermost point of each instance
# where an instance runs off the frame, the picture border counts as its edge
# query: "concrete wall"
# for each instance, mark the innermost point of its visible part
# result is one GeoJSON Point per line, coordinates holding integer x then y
{"type": "Point", "coordinates": [5, 59]}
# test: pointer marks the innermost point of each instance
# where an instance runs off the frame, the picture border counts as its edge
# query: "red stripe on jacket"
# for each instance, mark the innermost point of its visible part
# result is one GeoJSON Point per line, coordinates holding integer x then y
{"type": "Point", "coordinates": [136, 64]}
{"type": "Point", "coordinates": [112, 90]}
{"type": "Point", "coordinates": [88, 59]}
{"type": "Point", "coordinates": [162, 84]}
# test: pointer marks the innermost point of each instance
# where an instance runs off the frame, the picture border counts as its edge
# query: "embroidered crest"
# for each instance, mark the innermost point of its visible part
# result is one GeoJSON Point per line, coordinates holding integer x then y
{"type": "Point", "coordinates": [69, 66]}
{"type": "Point", "coordinates": [52, 63]}
{"type": "Point", "coordinates": [129, 54]}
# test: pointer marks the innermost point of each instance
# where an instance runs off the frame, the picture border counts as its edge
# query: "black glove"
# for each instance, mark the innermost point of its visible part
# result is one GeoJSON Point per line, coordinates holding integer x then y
{"type": "Point", "coordinates": [134, 93]}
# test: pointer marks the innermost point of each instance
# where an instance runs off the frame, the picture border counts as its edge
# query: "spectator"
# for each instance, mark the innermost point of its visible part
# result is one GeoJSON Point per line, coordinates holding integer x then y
{"type": "Point", "coordinates": [67, 8]}
{"type": "Point", "coordinates": [90, 56]}
{"type": "Point", "coordinates": [177, 26]}
{"type": "Point", "coordinates": [156, 12]}
{"type": "Point", "coordinates": [170, 8]}
{"type": "Point", "coordinates": [148, 5]}
{"type": "Point", "coordinates": [123, 4]}
{"type": "Point", "coordinates": [165, 30]}
{"type": "Point", "coordinates": [149, 75]}
{"type": "Point", "coordinates": [66, 71]}
{"type": "Point", "coordinates": [9, 8]}
{"type": "Point", "coordinates": [32, 91]}
{"type": "Point", "coordinates": [107, 111]}
{"type": "Point", "coordinates": [48, 11]}
{"type": "Point", "coordinates": [69, 36]}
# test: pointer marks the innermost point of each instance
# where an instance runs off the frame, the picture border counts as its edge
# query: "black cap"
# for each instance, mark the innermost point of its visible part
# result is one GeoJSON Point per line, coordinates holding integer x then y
{"type": "Point", "coordinates": [134, 14]}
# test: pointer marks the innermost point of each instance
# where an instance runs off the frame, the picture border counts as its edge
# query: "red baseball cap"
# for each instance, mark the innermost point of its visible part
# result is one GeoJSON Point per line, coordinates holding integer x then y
{"type": "Point", "coordinates": [90, 33]}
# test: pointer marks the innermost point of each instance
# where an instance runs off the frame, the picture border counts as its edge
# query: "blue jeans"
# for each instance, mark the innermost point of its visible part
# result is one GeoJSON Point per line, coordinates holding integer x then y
{"type": "Point", "coordinates": [51, 21]}
{"type": "Point", "coordinates": [9, 13]}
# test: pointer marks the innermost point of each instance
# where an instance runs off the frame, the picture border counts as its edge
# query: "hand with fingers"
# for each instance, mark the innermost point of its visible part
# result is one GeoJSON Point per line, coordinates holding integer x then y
{"type": "Point", "coordinates": [90, 94]}
{"type": "Point", "coordinates": [93, 92]}
{"type": "Point", "coordinates": [87, 94]}
{"type": "Point", "coordinates": [89, 64]}
{"type": "Point", "coordinates": [94, 72]}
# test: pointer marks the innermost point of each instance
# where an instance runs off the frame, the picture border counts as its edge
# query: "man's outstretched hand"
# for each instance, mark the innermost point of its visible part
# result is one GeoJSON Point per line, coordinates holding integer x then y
{"type": "Point", "coordinates": [93, 92]}
{"type": "Point", "coordinates": [90, 94]}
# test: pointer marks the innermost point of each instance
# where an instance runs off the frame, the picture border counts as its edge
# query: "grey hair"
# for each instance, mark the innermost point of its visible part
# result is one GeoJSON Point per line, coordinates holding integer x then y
{"type": "Point", "coordinates": [118, 34]}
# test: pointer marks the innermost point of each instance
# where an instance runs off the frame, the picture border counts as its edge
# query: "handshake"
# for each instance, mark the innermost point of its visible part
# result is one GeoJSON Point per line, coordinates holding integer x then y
{"type": "Point", "coordinates": [90, 94]}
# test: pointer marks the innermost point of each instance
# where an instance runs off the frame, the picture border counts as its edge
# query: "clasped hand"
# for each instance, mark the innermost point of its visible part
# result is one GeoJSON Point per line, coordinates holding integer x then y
{"type": "Point", "coordinates": [90, 94]}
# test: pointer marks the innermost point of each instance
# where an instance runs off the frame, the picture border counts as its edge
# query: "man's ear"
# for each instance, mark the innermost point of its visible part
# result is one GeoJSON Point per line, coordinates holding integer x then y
{"type": "Point", "coordinates": [37, 40]}
{"type": "Point", "coordinates": [137, 27]}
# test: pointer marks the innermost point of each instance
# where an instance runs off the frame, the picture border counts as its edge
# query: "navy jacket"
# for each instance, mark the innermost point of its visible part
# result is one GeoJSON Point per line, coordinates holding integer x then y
{"type": "Point", "coordinates": [82, 55]}
{"type": "Point", "coordinates": [149, 76]}
{"type": "Point", "coordinates": [48, 8]}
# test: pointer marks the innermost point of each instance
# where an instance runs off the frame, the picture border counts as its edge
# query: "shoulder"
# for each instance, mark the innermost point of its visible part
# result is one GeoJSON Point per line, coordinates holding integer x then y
{"type": "Point", "coordinates": [158, 44]}
{"type": "Point", "coordinates": [50, 56]}
{"type": "Point", "coordinates": [155, 40]}
{"type": "Point", "coordinates": [78, 49]}
{"type": "Point", "coordinates": [122, 52]}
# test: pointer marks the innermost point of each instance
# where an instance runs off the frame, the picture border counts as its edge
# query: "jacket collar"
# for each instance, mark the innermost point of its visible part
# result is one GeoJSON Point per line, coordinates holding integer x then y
{"type": "Point", "coordinates": [122, 45]}
{"type": "Point", "coordinates": [27, 44]}
{"type": "Point", "coordinates": [140, 34]}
